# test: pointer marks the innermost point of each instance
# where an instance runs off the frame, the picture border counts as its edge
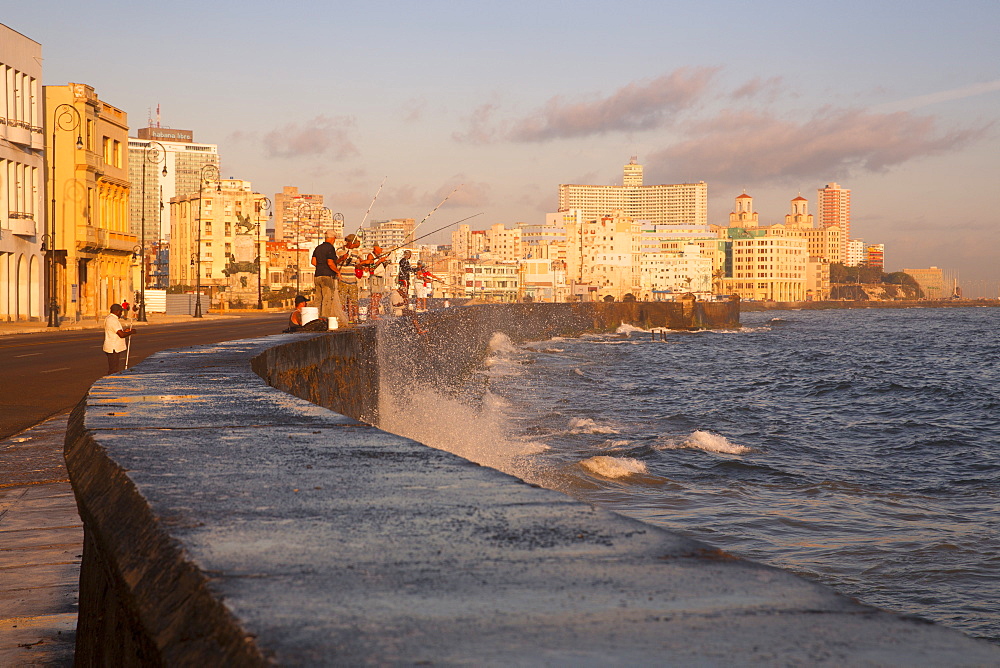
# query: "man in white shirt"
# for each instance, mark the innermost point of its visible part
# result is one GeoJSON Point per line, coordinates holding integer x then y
{"type": "Point", "coordinates": [115, 335]}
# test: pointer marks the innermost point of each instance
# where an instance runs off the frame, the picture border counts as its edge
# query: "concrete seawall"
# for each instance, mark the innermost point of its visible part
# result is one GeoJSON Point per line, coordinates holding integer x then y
{"type": "Point", "coordinates": [228, 522]}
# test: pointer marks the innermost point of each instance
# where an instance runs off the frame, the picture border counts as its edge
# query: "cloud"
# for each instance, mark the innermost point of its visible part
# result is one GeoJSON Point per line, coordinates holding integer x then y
{"type": "Point", "coordinates": [413, 110]}
{"type": "Point", "coordinates": [742, 147]}
{"type": "Point", "coordinates": [644, 105]}
{"type": "Point", "coordinates": [912, 103]}
{"type": "Point", "coordinates": [768, 89]}
{"type": "Point", "coordinates": [479, 122]}
{"type": "Point", "coordinates": [319, 136]}
{"type": "Point", "coordinates": [636, 106]}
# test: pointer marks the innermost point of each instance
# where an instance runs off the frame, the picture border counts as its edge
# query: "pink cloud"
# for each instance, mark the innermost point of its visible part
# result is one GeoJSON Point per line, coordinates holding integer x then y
{"type": "Point", "coordinates": [738, 147]}
{"type": "Point", "coordinates": [637, 106]}
{"type": "Point", "coordinates": [319, 136]}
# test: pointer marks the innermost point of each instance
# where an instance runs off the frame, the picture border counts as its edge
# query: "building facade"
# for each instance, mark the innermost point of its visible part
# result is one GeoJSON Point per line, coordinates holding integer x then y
{"type": "Point", "coordinates": [23, 221]}
{"type": "Point", "coordinates": [768, 268]}
{"type": "Point", "coordinates": [163, 164]}
{"type": "Point", "coordinates": [302, 220]}
{"type": "Point", "coordinates": [670, 204]}
{"type": "Point", "coordinates": [834, 208]}
{"type": "Point", "coordinates": [218, 230]}
{"type": "Point", "coordinates": [87, 159]}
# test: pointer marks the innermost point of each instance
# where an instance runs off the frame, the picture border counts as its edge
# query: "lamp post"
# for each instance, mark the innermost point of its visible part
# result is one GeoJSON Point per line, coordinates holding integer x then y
{"type": "Point", "coordinates": [64, 117]}
{"type": "Point", "coordinates": [208, 171]}
{"type": "Point", "coordinates": [155, 154]}
{"type": "Point", "coordinates": [298, 219]}
{"type": "Point", "coordinates": [263, 205]}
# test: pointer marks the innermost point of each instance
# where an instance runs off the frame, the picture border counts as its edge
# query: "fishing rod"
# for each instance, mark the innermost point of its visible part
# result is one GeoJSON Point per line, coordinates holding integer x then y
{"type": "Point", "coordinates": [437, 207]}
{"type": "Point", "coordinates": [371, 205]}
{"type": "Point", "coordinates": [374, 258]}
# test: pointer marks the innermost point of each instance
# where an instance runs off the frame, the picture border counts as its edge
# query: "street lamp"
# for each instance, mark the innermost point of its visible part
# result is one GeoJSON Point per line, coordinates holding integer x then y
{"type": "Point", "coordinates": [208, 172]}
{"type": "Point", "coordinates": [155, 154]}
{"type": "Point", "coordinates": [64, 117]}
{"type": "Point", "coordinates": [263, 205]}
{"type": "Point", "coordinates": [298, 218]}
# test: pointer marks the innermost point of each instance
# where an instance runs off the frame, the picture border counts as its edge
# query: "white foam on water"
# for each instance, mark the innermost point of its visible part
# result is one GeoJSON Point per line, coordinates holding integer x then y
{"type": "Point", "coordinates": [628, 329]}
{"type": "Point", "coordinates": [588, 426]}
{"type": "Point", "coordinates": [614, 467]}
{"type": "Point", "coordinates": [707, 441]}
{"type": "Point", "coordinates": [500, 342]}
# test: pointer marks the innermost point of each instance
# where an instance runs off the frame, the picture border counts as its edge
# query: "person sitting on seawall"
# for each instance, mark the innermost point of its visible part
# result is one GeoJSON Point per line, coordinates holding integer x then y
{"type": "Point", "coordinates": [115, 335]}
{"type": "Point", "coordinates": [295, 317]}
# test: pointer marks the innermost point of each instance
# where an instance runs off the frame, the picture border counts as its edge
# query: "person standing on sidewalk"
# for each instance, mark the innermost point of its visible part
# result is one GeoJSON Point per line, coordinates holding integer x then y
{"type": "Point", "coordinates": [115, 338]}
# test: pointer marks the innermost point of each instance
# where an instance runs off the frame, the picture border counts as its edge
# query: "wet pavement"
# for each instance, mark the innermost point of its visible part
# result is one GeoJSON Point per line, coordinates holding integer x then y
{"type": "Point", "coordinates": [41, 544]}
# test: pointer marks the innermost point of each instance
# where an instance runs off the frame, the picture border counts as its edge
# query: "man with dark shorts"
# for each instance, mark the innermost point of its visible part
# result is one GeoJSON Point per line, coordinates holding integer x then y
{"type": "Point", "coordinates": [324, 258]}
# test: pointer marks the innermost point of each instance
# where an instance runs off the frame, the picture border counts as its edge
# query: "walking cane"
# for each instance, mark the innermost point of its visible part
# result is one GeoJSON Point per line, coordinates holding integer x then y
{"type": "Point", "coordinates": [128, 347]}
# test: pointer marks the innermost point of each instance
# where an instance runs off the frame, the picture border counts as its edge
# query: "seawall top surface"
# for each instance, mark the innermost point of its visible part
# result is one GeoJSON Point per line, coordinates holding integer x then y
{"type": "Point", "coordinates": [327, 541]}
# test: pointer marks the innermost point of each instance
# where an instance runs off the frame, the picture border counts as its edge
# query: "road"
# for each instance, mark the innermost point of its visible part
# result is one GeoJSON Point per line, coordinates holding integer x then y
{"type": "Point", "coordinates": [42, 374]}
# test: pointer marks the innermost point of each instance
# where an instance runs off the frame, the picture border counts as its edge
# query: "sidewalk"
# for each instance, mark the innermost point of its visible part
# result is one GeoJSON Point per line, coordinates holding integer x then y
{"type": "Point", "coordinates": [33, 327]}
{"type": "Point", "coordinates": [41, 543]}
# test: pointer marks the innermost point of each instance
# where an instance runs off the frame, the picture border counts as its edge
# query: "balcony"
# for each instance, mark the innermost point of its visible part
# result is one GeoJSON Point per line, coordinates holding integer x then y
{"type": "Point", "coordinates": [93, 238]}
{"type": "Point", "coordinates": [22, 224]}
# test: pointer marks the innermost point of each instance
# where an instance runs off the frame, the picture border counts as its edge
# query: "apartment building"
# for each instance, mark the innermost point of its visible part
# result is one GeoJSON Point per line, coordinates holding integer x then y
{"type": "Point", "coordinates": [87, 156]}
{"type": "Point", "coordinates": [302, 219]}
{"type": "Point", "coordinates": [683, 203]}
{"type": "Point", "coordinates": [23, 221]}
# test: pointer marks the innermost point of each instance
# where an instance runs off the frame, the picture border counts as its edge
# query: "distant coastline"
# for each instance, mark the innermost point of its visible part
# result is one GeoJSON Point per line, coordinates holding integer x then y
{"type": "Point", "coordinates": [748, 306]}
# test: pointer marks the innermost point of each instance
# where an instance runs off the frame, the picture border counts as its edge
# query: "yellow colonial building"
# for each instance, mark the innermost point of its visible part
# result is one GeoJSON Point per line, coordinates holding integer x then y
{"type": "Point", "coordinates": [87, 164]}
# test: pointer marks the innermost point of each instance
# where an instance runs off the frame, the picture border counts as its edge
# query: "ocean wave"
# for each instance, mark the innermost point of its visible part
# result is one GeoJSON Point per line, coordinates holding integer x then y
{"type": "Point", "coordinates": [501, 343]}
{"type": "Point", "coordinates": [614, 467]}
{"type": "Point", "coordinates": [588, 426]}
{"type": "Point", "coordinates": [707, 441]}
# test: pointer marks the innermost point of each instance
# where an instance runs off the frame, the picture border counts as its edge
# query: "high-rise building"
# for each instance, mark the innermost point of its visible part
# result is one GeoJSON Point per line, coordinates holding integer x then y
{"type": "Point", "coordinates": [683, 203]}
{"type": "Point", "coordinates": [89, 186]}
{"type": "Point", "coordinates": [834, 204]}
{"type": "Point", "coordinates": [388, 234]}
{"type": "Point", "coordinates": [164, 163]}
{"type": "Point", "coordinates": [22, 194]}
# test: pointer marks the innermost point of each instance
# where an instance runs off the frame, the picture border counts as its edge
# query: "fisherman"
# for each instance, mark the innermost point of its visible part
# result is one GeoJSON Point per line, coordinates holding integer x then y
{"type": "Point", "coordinates": [115, 338]}
{"type": "Point", "coordinates": [423, 286]}
{"type": "Point", "coordinates": [405, 270]}
{"type": "Point", "coordinates": [324, 259]}
{"type": "Point", "coordinates": [348, 260]}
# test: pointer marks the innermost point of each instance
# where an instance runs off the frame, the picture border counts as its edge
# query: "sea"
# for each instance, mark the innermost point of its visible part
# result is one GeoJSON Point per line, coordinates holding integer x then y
{"type": "Point", "coordinates": [857, 448]}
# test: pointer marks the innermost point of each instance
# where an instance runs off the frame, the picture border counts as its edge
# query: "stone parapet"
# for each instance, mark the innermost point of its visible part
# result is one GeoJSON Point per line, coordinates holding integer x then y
{"type": "Point", "coordinates": [231, 523]}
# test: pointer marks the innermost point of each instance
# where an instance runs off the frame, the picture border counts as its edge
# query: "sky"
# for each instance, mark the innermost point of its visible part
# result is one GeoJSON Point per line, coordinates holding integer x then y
{"type": "Point", "coordinates": [897, 101]}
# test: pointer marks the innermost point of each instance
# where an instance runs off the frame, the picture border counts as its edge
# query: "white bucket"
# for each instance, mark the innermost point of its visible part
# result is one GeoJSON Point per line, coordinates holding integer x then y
{"type": "Point", "coordinates": [309, 313]}
{"type": "Point", "coordinates": [332, 323]}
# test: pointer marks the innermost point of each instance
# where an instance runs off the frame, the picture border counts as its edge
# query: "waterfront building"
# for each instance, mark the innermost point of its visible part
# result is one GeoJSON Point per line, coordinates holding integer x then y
{"type": "Point", "coordinates": [875, 256]}
{"type": "Point", "coordinates": [683, 203]}
{"type": "Point", "coordinates": [823, 242]}
{"type": "Point", "coordinates": [834, 208]}
{"type": "Point", "coordinates": [676, 272]}
{"type": "Point", "coordinates": [610, 256]}
{"type": "Point", "coordinates": [743, 214]}
{"type": "Point", "coordinates": [491, 280]}
{"type": "Point", "coordinates": [543, 272]}
{"type": "Point", "coordinates": [931, 280]}
{"type": "Point", "coordinates": [856, 253]}
{"type": "Point", "coordinates": [89, 187]}
{"type": "Point", "coordinates": [768, 267]}
{"type": "Point", "coordinates": [817, 279]}
{"type": "Point", "coordinates": [302, 220]}
{"type": "Point", "coordinates": [23, 220]}
{"type": "Point", "coordinates": [218, 230]}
